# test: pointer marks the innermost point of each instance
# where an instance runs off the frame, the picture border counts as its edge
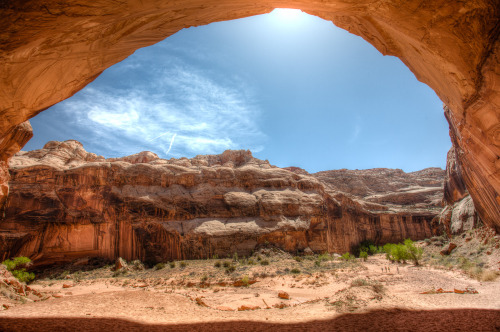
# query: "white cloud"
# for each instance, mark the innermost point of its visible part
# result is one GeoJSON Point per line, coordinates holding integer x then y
{"type": "Point", "coordinates": [179, 103]}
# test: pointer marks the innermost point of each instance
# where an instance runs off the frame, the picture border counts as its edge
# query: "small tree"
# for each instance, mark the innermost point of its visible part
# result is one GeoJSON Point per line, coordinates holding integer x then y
{"type": "Point", "coordinates": [18, 267]}
{"type": "Point", "coordinates": [414, 253]}
{"type": "Point", "coordinates": [363, 255]}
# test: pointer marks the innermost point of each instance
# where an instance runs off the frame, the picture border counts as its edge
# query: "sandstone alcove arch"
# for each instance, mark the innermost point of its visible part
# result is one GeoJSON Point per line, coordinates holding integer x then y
{"type": "Point", "coordinates": [50, 50]}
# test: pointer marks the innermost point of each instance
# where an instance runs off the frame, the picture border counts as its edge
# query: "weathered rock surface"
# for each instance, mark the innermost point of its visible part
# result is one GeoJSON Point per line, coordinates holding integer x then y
{"type": "Point", "coordinates": [460, 217]}
{"type": "Point", "coordinates": [66, 203]}
{"type": "Point", "coordinates": [382, 189]}
{"type": "Point", "coordinates": [51, 49]}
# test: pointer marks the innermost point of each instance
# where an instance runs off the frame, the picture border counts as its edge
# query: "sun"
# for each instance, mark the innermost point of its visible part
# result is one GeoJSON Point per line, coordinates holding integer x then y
{"type": "Point", "coordinates": [286, 14]}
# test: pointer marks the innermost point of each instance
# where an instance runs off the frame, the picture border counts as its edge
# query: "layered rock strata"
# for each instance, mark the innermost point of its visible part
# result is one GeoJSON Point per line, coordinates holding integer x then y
{"type": "Point", "coordinates": [382, 189]}
{"type": "Point", "coordinates": [66, 203]}
{"type": "Point", "coordinates": [51, 49]}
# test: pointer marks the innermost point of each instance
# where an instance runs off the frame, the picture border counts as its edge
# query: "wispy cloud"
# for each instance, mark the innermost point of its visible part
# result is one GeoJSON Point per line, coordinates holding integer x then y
{"type": "Point", "coordinates": [356, 131]}
{"type": "Point", "coordinates": [185, 104]}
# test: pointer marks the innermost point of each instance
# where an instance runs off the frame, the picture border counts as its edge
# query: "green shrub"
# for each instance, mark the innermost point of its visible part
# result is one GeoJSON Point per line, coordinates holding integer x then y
{"type": "Point", "coordinates": [396, 252]}
{"type": "Point", "coordinates": [295, 271]}
{"type": "Point", "coordinates": [159, 266]}
{"type": "Point", "coordinates": [251, 261]}
{"type": "Point", "coordinates": [346, 257]}
{"type": "Point", "coordinates": [23, 276]}
{"type": "Point", "coordinates": [235, 257]}
{"type": "Point", "coordinates": [324, 257]}
{"type": "Point", "coordinates": [363, 255]}
{"type": "Point", "coordinates": [264, 262]}
{"type": "Point", "coordinates": [18, 267]}
{"type": "Point", "coordinates": [400, 253]}
{"type": "Point", "coordinates": [403, 252]}
{"type": "Point", "coordinates": [226, 264]}
{"type": "Point", "coordinates": [245, 281]}
{"type": "Point", "coordinates": [317, 263]}
{"type": "Point", "coordinates": [172, 265]}
{"type": "Point", "coordinates": [183, 264]}
{"type": "Point", "coordinates": [372, 249]}
{"type": "Point", "coordinates": [359, 282]}
{"type": "Point", "coordinates": [414, 253]}
{"type": "Point", "coordinates": [298, 259]}
{"type": "Point", "coordinates": [230, 269]}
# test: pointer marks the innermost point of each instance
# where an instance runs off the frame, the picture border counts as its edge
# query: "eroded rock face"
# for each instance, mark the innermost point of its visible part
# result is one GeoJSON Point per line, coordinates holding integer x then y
{"type": "Point", "coordinates": [382, 189]}
{"type": "Point", "coordinates": [67, 203]}
{"type": "Point", "coordinates": [49, 50]}
{"type": "Point", "coordinates": [460, 216]}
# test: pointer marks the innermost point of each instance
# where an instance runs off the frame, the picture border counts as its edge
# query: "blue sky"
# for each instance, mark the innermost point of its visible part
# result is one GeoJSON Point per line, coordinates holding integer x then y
{"type": "Point", "coordinates": [292, 88]}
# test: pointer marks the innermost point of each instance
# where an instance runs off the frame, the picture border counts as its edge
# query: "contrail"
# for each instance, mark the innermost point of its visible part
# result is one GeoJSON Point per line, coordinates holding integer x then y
{"type": "Point", "coordinates": [158, 136]}
{"type": "Point", "coordinates": [170, 146]}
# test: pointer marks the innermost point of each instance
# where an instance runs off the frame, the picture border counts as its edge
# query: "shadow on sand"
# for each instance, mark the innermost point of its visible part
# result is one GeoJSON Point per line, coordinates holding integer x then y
{"type": "Point", "coordinates": [377, 320]}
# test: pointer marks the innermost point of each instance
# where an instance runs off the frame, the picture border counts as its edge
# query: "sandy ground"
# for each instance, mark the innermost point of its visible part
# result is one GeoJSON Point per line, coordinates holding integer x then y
{"type": "Point", "coordinates": [373, 295]}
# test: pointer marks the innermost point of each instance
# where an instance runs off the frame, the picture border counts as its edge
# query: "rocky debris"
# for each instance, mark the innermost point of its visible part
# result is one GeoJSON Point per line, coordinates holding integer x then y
{"type": "Point", "coordinates": [449, 249]}
{"type": "Point", "coordinates": [14, 292]}
{"type": "Point", "coordinates": [468, 290]}
{"type": "Point", "coordinates": [308, 251]}
{"type": "Point", "coordinates": [281, 305]}
{"type": "Point", "coordinates": [162, 210]}
{"type": "Point", "coordinates": [224, 308]}
{"type": "Point", "coordinates": [120, 264]}
{"type": "Point", "coordinates": [248, 307]}
{"type": "Point", "coordinates": [283, 295]}
{"type": "Point", "coordinates": [200, 302]}
{"type": "Point", "coordinates": [67, 285]}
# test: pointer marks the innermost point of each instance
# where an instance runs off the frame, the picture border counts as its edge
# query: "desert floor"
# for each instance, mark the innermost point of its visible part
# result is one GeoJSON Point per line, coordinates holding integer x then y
{"type": "Point", "coordinates": [336, 295]}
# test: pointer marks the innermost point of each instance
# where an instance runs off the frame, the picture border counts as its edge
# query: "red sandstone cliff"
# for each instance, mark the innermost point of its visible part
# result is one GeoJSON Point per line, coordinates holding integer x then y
{"type": "Point", "coordinates": [51, 49]}
{"type": "Point", "coordinates": [67, 203]}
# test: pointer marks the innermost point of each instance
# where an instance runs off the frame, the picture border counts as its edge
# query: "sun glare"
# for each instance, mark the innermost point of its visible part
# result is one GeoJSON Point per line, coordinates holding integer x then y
{"type": "Point", "coordinates": [287, 14]}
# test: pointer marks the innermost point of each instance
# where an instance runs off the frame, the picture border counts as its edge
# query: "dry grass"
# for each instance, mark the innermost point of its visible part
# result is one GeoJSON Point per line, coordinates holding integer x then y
{"type": "Point", "coordinates": [488, 275]}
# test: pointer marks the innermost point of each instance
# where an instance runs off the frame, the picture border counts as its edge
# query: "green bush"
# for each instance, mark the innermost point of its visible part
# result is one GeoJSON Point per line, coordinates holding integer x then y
{"type": "Point", "coordinates": [172, 265]}
{"type": "Point", "coordinates": [183, 264]}
{"type": "Point", "coordinates": [264, 262]}
{"type": "Point", "coordinates": [159, 266]}
{"type": "Point", "coordinates": [324, 257]}
{"type": "Point", "coordinates": [400, 253]}
{"type": "Point", "coordinates": [346, 257]}
{"type": "Point", "coordinates": [245, 281]}
{"type": "Point", "coordinates": [372, 249]}
{"type": "Point", "coordinates": [298, 259]}
{"type": "Point", "coordinates": [363, 255]}
{"type": "Point", "coordinates": [295, 271]}
{"type": "Point", "coordinates": [403, 252]}
{"type": "Point", "coordinates": [414, 253]}
{"type": "Point", "coordinates": [18, 267]}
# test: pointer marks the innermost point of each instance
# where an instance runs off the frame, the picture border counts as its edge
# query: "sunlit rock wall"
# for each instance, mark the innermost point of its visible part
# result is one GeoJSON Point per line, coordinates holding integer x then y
{"type": "Point", "coordinates": [51, 49]}
{"type": "Point", "coordinates": [66, 203]}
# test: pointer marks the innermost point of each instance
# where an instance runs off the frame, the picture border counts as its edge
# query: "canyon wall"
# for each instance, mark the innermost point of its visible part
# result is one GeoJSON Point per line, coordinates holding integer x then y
{"type": "Point", "coordinates": [66, 203]}
{"type": "Point", "coordinates": [51, 49]}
